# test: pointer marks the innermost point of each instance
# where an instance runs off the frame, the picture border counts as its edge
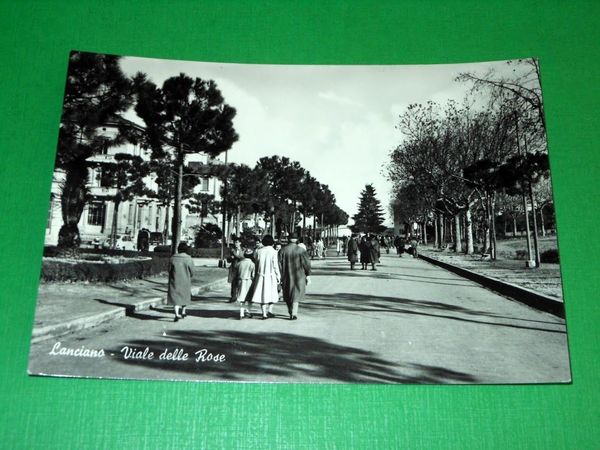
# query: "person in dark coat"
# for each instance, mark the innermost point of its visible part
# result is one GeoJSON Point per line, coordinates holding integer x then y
{"type": "Point", "coordinates": [236, 255]}
{"type": "Point", "coordinates": [295, 275]}
{"type": "Point", "coordinates": [181, 268]}
{"type": "Point", "coordinates": [352, 251]}
{"type": "Point", "coordinates": [397, 245]}
{"type": "Point", "coordinates": [373, 251]}
{"type": "Point", "coordinates": [365, 252]}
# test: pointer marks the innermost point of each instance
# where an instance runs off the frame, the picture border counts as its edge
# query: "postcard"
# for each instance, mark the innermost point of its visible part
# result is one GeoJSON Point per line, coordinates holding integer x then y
{"type": "Point", "coordinates": [301, 224]}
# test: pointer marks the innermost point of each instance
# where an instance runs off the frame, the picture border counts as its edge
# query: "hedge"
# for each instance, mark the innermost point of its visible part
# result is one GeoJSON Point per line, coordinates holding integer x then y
{"type": "Point", "coordinates": [550, 256]}
{"type": "Point", "coordinates": [62, 270]}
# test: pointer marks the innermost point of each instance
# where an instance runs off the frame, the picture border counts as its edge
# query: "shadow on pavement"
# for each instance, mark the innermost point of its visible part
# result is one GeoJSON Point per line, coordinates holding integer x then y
{"type": "Point", "coordinates": [288, 357]}
{"type": "Point", "coordinates": [381, 275]}
{"type": "Point", "coordinates": [350, 302]}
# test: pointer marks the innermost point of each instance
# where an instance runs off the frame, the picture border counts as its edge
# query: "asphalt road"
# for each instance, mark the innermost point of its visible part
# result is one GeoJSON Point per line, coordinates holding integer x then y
{"type": "Point", "coordinates": [407, 322]}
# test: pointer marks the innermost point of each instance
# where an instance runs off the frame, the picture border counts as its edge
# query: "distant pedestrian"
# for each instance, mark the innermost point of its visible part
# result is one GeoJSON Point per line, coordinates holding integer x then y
{"type": "Point", "coordinates": [344, 245]}
{"type": "Point", "coordinates": [245, 276]}
{"type": "Point", "coordinates": [373, 251]}
{"type": "Point", "coordinates": [352, 251]}
{"type": "Point", "coordinates": [236, 254]}
{"type": "Point", "coordinates": [365, 252]}
{"type": "Point", "coordinates": [319, 248]}
{"type": "Point", "coordinates": [266, 278]}
{"type": "Point", "coordinates": [143, 240]}
{"type": "Point", "coordinates": [338, 246]}
{"type": "Point", "coordinates": [179, 292]}
{"type": "Point", "coordinates": [302, 244]}
{"type": "Point", "coordinates": [397, 241]}
{"type": "Point", "coordinates": [414, 246]}
{"type": "Point", "coordinates": [295, 275]}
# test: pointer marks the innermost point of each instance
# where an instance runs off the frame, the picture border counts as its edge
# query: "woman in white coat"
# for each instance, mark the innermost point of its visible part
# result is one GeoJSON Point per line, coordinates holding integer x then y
{"type": "Point", "coordinates": [266, 278]}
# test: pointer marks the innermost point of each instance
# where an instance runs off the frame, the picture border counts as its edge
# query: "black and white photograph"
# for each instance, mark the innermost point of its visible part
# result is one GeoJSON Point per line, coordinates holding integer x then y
{"type": "Point", "coordinates": [259, 223]}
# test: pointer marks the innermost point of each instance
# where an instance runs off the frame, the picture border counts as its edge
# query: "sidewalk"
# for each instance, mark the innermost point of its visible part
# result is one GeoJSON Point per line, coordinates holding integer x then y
{"type": "Point", "coordinates": [63, 308]}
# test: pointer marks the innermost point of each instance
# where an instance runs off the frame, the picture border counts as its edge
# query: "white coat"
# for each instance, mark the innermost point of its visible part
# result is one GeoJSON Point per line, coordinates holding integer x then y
{"type": "Point", "coordinates": [267, 276]}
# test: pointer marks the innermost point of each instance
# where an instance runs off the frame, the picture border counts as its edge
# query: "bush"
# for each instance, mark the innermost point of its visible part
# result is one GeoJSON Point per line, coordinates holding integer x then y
{"type": "Point", "coordinates": [550, 256]}
{"type": "Point", "coordinates": [209, 235]}
{"type": "Point", "coordinates": [163, 249]}
{"type": "Point", "coordinates": [521, 254]}
{"type": "Point", "coordinates": [62, 270]}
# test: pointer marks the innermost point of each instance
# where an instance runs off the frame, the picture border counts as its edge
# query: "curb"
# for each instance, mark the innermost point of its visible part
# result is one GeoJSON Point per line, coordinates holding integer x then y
{"type": "Point", "coordinates": [209, 286]}
{"type": "Point", "coordinates": [82, 323]}
{"type": "Point", "coordinates": [520, 294]}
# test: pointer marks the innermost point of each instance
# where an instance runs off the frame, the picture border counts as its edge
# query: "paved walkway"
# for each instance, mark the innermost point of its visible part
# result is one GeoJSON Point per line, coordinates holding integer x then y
{"type": "Point", "coordinates": [408, 322]}
{"type": "Point", "coordinates": [67, 307]}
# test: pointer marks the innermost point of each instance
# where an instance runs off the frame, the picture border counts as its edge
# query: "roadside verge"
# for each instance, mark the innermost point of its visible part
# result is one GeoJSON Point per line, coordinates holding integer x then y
{"type": "Point", "coordinates": [518, 293]}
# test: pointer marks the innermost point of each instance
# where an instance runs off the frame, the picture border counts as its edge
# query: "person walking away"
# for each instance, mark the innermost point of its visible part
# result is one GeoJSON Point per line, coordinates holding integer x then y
{"type": "Point", "coordinates": [295, 275]}
{"type": "Point", "coordinates": [414, 244]}
{"type": "Point", "coordinates": [338, 246]}
{"type": "Point", "coordinates": [266, 278]}
{"type": "Point", "coordinates": [344, 245]}
{"type": "Point", "coordinates": [302, 244]}
{"type": "Point", "coordinates": [365, 252]}
{"type": "Point", "coordinates": [397, 245]}
{"type": "Point", "coordinates": [319, 248]}
{"type": "Point", "coordinates": [245, 277]}
{"type": "Point", "coordinates": [352, 251]}
{"type": "Point", "coordinates": [181, 268]}
{"type": "Point", "coordinates": [236, 254]}
{"type": "Point", "coordinates": [373, 251]}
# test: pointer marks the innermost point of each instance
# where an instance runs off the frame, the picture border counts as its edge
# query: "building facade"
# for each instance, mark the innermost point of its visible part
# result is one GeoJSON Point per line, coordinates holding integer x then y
{"type": "Point", "coordinates": [142, 212]}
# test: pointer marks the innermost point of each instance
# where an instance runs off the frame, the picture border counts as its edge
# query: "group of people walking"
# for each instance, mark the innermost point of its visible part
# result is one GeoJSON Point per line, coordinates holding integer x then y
{"type": "Point", "coordinates": [268, 273]}
{"type": "Point", "coordinates": [367, 251]}
{"type": "Point", "coordinates": [262, 275]}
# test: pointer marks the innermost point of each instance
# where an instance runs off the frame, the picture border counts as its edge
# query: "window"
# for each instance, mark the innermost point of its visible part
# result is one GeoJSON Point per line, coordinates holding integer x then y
{"type": "Point", "coordinates": [96, 212]}
{"type": "Point", "coordinates": [204, 184]}
{"type": "Point", "coordinates": [106, 180]}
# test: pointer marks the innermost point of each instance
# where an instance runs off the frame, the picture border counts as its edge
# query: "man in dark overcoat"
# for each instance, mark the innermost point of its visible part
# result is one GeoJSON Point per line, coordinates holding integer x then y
{"type": "Point", "coordinates": [352, 251]}
{"type": "Point", "coordinates": [374, 251]}
{"type": "Point", "coordinates": [294, 265]}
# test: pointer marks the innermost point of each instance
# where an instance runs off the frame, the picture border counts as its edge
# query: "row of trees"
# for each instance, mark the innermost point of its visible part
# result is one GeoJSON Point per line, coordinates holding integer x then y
{"type": "Point", "coordinates": [276, 189]}
{"type": "Point", "coordinates": [184, 116]}
{"type": "Point", "coordinates": [466, 163]}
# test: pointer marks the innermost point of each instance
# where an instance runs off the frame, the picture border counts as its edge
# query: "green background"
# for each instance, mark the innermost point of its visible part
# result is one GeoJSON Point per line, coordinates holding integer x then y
{"type": "Point", "coordinates": [35, 39]}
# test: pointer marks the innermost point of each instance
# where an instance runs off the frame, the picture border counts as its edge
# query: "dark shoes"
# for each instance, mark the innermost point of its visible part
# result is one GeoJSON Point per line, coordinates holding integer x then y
{"type": "Point", "coordinates": [293, 317]}
{"type": "Point", "coordinates": [270, 315]}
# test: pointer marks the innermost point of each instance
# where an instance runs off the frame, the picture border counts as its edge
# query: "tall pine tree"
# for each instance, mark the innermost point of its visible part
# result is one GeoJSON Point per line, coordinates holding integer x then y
{"type": "Point", "coordinates": [369, 218]}
{"type": "Point", "coordinates": [96, 91]}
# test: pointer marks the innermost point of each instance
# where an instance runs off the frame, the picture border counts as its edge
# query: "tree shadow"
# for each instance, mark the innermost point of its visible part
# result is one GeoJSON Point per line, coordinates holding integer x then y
{"type": "Point", "coordinates": [364, 303]}
{"type": "Point", "coordinates": [132, 313]}
{"type": "Point", "coordinates": [381, 275]}
{"type": "Point", "coordinates": [283, 357]}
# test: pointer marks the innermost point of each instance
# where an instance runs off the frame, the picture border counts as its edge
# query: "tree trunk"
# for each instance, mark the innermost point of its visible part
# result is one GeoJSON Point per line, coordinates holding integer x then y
{"type": "Point", "coordinates": [73, 199]}
{"type": "Point", "coordinates": [457, 236]}
{"type": "Point", "coordinates": [442, 231]}
{"type": "Point", "coordinates": [436, 237]}
{"type": "Point", "coordinates": [527, 230]}
{"type": "Point", "coordinates": [536, 247]}
{"type": "Point", "coordinates": [514, 219]}
{"type": "Point", "coordinates": [424, 232]}
{"type": "Point", "coordinates": [493, 223]}
{"type": "Point", "coordinates": [176, 227]}
{"type": "Point", "coordinates": [303, 224]}
{"type": "Point", "coordinates": [113, 228]}
{"type": "Point", "coordinates": [487, 241]}
{"type": "Point", "coordinates": [469, 230]}
{"type": "Point", "coordinates": [542, 221]}
{"type": "Point", "coordinates": [166, 225]}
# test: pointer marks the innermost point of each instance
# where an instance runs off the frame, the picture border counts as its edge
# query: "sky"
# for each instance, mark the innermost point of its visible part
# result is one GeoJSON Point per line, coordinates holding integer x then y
{"type": "Point", "coordinates": [339, 122]}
